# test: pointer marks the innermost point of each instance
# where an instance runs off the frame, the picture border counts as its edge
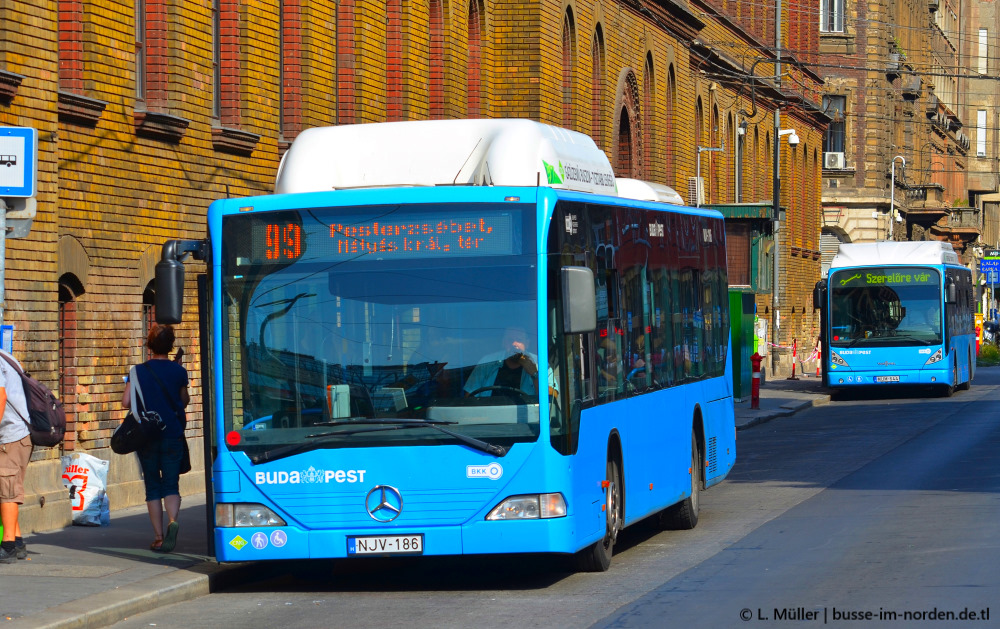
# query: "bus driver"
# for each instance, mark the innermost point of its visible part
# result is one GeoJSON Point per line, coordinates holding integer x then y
{"type": "Point", "coordinates": [513, 367]}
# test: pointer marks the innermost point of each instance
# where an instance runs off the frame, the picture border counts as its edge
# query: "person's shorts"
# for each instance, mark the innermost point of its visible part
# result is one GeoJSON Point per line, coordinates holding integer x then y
{"type": "Point", "coordinates": [14, 458]}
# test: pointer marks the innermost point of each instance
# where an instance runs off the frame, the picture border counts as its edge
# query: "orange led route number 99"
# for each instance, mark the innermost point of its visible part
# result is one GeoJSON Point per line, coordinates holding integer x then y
{"type": "Point", "coordinates": [282, 242]}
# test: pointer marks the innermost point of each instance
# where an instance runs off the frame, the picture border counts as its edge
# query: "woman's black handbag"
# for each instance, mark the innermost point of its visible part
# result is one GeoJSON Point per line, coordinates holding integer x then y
{"type": "Point", "coordinates": [136, 431]}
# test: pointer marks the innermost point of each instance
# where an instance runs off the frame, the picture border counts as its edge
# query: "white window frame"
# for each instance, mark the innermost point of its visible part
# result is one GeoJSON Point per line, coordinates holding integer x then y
{"type": "Point", "coordinates": [981, 133]}
{"type": "Point", "coordinates": [831, 16]}
{"type": "Point", "coordinates": [983, 51]}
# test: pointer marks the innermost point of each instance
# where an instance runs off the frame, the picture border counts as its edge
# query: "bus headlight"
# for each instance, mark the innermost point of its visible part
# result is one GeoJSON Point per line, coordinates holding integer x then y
{"type": "Point", "coordinates": [229, 514]}
{"type": "Point", "coordinates": [531, 507]}
{"type": "Point", "coordinates": [937, 356]}
{"type": "Point", "coordinates": [836, 359]}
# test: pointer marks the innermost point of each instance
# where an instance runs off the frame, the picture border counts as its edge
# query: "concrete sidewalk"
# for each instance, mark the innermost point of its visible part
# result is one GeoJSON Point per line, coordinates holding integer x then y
{"type": "Point", "coordinates": [82, 577]}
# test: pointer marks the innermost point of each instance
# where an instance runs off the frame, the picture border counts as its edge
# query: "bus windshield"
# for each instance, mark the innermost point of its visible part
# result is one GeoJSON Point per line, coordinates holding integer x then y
{"type": "Point", "coordinates": [885, 306]}
{"type": "Point", "coordinates": [380, 326]}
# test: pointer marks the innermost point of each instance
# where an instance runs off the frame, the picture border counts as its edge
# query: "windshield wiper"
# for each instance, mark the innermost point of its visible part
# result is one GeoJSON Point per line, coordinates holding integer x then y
{"type": "Point", "coordinates": [381, 425]}
{"type": "Point", "coordinates": [478, 444]}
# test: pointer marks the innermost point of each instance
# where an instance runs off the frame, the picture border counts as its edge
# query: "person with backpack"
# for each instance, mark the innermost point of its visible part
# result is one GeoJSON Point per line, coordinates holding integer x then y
{"type": "Point", "coordinates": [164, 389]}
{"type": "Point", "coordinates": [15, 452]}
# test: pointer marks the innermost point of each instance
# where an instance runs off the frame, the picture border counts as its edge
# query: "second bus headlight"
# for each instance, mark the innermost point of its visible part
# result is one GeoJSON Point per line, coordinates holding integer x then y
{"type": "Point", "coordinates": [935, 357]}
{"type": "Point", "coordinates": [237, 514]}
{"type": "Point", "coordinates": [530, 507]}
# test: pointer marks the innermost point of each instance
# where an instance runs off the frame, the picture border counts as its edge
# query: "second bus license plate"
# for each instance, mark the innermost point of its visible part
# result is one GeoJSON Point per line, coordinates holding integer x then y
{"type": "Point", "coordinates": [386, 545]}
{"type": "Point", "coordinates": [886, 378]}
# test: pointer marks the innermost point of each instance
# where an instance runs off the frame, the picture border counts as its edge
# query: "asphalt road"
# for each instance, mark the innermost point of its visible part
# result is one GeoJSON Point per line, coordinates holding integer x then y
{"type": "Point", "coordinates": [846, 513]}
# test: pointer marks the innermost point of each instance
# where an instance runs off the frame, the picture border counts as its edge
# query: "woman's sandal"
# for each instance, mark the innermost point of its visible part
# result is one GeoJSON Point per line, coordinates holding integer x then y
{"type": "Point", "coordinates": [157, 545]}
{"type": "Point", "coordinates": [171, 538]}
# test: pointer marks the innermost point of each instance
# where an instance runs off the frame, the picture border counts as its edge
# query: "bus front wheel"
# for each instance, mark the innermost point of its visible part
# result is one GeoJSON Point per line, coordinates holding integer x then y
{"type": "Point", "coordinates": [684, 514]}
{"type": "Point", "coordinates": [597, 557]}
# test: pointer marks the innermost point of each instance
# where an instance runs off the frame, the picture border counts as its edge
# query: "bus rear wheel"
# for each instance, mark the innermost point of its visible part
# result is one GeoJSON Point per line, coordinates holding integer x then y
{"type": "Point", "coordinates": [597, 557]}
{"type": "Point", "coordinates": [965, 386]}
{"type": "Point", "coordinates": [684, 514]}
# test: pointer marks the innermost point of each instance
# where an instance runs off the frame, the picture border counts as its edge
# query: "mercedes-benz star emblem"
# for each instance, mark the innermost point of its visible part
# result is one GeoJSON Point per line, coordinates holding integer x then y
{"type": "Point", "coordinates": [384, 503]}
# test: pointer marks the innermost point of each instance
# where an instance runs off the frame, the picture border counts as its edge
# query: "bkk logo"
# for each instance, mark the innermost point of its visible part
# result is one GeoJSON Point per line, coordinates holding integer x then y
{"type": "Point", "coordinates": [493, 471]}
{"type": "Point", "coordinates": [311, 475]}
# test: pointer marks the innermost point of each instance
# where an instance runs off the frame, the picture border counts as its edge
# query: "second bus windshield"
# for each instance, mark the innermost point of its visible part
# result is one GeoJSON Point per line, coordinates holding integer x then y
{"type": "Point", "coordinates": [880, 306]}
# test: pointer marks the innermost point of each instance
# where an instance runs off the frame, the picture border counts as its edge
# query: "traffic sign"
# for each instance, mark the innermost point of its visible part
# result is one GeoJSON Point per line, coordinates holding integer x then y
{"type": "Point", "coordinates": [18, 162]}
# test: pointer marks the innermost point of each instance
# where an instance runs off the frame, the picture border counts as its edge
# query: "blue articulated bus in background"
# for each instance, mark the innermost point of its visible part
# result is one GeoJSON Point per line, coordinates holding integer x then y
{"type": "Point", "coordinates": [897, 313]}
{"type": "Point", "coordinates": [456, 338]}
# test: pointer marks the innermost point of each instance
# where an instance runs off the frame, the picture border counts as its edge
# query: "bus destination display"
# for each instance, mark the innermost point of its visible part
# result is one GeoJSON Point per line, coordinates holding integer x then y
{"type": "Point", "coordinates": [286, 237]}
{"type": "Point", "coordinates": [886, 277]}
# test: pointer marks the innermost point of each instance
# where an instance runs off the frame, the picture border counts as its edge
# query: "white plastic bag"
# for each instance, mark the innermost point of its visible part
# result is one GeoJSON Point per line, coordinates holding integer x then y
{"type": "Point", "coordinates": [86, 478]}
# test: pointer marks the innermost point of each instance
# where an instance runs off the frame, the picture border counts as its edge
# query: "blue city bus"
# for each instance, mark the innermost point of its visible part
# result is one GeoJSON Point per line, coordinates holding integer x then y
{"type": "Point", "coordinates": [509, 365]}
{"type": "Point", "coordinates": [896, 314]}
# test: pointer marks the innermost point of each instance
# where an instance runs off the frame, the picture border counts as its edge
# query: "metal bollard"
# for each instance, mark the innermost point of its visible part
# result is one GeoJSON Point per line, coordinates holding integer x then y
{"type": "Point", "coordinates": [755, 361]}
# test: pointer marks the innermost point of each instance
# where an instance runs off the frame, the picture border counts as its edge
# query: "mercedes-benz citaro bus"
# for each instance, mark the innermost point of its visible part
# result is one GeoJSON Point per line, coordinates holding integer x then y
{"type": "Point", "coordinates": [897, 313]}
{"type": "Point", "coordinates": [455, 337]}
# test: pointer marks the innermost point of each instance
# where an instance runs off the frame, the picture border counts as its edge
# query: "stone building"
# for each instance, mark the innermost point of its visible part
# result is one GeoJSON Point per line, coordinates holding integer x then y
{"type": "Point", "coordinates": [899, 161]}
{"type": "Point", "coordinates": [148, 110]}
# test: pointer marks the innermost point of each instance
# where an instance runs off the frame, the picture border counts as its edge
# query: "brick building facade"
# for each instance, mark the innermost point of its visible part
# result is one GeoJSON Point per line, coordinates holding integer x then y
{"type": "Point", "coordinates": [147, 110]}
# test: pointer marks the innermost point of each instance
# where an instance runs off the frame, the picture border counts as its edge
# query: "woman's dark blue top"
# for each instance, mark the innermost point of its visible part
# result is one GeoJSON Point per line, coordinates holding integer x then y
{"type": "Point", "coordinates": [174, 378]}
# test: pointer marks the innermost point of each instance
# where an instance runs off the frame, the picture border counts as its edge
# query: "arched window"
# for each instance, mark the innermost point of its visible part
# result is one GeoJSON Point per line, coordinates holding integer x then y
{"type": "Point", "coordinates": [668, 129]}
{"type": "Point", "coordinates": [70, 289]}
{"type": "Point", "coordinates": [757, 192]}
{"type": "Point", "coordinates": [436, 61]}
{"type": "Point", "coordinates": [148, 315]}
{"type": "Point", "coordinates": [568, 67]}
{"type": "Point", "coordinates": [713, 174]}
{"type": "Point", "coordinates": [597, 89]}
{"type": "Point", "coordinates": [628, 132]}
{"type": "Point", "coordinates": [699, 125]}
{"type": "Point", "coordinates": [474, 71]}
{"type": "Point", "coordinates": [648, 91]}
{"type": "Point", "coordinates": [767, 158]}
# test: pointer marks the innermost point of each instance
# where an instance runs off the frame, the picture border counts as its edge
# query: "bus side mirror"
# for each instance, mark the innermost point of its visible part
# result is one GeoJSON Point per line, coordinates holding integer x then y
{"type": "Point", "coordinates": [579, 300]}
{"type": "Point", "coordinates": [952, 293]}
{"type": "Point", "coordinates": [169, 291]}
{"type": "Point", "coordinates": [819, 294]}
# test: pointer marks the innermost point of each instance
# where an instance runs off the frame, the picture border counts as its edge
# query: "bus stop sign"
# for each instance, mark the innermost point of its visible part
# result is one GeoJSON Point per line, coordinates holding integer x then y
{"type": "Point", "coordinates": [18, 162]}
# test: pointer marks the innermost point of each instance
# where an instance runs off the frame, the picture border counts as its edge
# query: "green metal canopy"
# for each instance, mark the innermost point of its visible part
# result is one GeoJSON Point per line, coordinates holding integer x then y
{"type": "Point", "coordinates": [743, 210]}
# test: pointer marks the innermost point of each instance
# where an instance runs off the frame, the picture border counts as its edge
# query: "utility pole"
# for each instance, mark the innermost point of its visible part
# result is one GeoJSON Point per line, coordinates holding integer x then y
{"type": "Point", "coordinates": [775, 191]}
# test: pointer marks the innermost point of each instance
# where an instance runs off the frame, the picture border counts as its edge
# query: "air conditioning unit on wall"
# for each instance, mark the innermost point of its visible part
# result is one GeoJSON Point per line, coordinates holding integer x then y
{"type": "Point", "coordinates": [833, 161]}
{"type": "Point", "coordinates": [696, 191]}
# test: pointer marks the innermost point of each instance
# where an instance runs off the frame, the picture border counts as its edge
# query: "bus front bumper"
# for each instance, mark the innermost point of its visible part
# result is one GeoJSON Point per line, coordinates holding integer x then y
{"type": "Point", "coordinates": [556, 535]}
{"type": "Point", "coordinates": [841, 377]}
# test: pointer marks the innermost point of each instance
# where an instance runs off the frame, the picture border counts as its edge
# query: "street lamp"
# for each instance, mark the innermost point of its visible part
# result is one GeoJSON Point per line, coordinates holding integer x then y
{"type": "Point", "coordinates": [892, 194]}
{"type": "Point", "coordinates": [793, 140]}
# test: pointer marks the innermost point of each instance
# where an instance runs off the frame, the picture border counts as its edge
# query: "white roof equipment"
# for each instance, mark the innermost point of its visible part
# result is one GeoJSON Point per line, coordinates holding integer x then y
{"type": "Point", "coordinates": [505, 152]}
{"type": "Point", "coordinates": [891, 253]}
{"type": "Point", "coordinates": [647, 191]}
